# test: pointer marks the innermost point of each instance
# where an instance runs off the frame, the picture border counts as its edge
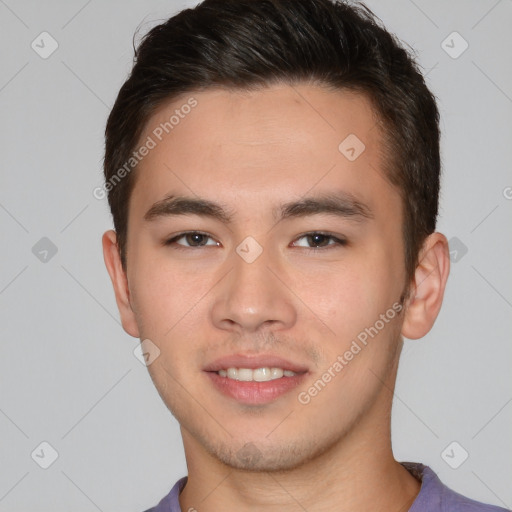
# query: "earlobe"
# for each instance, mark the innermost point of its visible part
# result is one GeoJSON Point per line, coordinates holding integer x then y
{"type": "Point", "coordinates": [427, 290]}
{"type": "Point", "coordinates": [119, 282]}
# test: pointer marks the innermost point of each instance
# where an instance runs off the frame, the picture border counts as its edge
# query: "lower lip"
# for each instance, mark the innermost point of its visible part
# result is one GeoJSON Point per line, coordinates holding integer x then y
{"type": "Point", "coordinates": [255, 392]}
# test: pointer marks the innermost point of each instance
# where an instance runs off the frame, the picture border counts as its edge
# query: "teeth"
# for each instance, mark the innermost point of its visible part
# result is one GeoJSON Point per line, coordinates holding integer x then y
{"type": "Point", "coordinates": [277, 373]}
{"type": "Point", "coordinates": [257, 375]}
{"type": "Point", "coordinates": [244, 374]}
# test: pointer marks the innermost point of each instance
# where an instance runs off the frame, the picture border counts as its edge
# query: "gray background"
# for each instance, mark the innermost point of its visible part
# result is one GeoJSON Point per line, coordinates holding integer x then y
{"type": "Point", "coordinates": [68, 375]}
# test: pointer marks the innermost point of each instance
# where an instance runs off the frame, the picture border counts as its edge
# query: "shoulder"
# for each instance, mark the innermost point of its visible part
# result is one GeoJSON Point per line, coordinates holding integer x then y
{"type": "Point", "coordinates": [170, 503]}
{"type": "Point", "coordinates": [434, 496]}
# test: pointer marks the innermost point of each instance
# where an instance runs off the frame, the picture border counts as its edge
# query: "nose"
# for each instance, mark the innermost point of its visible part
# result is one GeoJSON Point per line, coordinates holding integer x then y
{"type": "Point", "coordinates": [251, 298]}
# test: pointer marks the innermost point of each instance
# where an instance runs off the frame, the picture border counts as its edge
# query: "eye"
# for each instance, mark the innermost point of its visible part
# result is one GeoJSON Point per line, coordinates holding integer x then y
{"type": "Point", "coordinates": [192, 239]}
{"type": "Point", "coordinates": [317, 240]}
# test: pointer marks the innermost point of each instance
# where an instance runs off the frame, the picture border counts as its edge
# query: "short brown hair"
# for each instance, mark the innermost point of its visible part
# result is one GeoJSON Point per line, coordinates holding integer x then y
{"type": "Point", "coordinates": [245, 44]}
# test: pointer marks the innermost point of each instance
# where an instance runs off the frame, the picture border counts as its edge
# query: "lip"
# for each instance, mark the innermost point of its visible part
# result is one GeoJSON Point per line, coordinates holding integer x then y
{"type": "Point", "coordinates": [255, 393]}
{"type": "Point", "coordinates": [253, 362]}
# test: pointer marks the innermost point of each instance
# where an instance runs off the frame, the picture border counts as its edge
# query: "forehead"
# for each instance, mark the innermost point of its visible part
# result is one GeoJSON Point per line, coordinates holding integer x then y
{"type": "Point", "coordinates": [258, 145]}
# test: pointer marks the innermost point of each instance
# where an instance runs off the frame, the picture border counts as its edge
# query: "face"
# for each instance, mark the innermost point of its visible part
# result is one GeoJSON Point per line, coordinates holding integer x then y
{"type": "Point", "coordinates": [264, 242]}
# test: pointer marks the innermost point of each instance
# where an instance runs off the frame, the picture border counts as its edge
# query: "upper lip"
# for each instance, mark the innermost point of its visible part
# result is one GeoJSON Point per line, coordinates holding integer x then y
{"type": "Point", "coordinates": [253, 362]}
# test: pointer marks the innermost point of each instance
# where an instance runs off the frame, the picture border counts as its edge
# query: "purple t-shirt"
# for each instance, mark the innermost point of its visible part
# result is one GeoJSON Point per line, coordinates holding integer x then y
{"type": "Point", "coordinates": [434, 496]}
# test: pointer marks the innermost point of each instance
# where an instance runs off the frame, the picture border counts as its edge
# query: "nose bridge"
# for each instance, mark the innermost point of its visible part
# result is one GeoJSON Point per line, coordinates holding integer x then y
{"type": "Point", "coordinates": [251, 296]}
{"type": "Point", "coordinates": [250, 269]}
{"type": "Point", "coordinates": [250, 281]}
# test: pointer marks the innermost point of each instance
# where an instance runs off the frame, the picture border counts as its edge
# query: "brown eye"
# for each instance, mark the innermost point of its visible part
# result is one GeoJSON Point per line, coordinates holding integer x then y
{"type": "Point", "coordinates": [192, 239]}
{"type": "Point", "coordinates": [317, 240]}
{"type": "Point", "coordinates": [196, 239]}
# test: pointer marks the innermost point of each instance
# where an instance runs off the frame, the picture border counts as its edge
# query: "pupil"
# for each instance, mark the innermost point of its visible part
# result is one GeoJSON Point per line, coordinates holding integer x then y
{"type": "Point", "coordinates": [318, 239]}
{"type": "Point", "coordinates": [195, 238]}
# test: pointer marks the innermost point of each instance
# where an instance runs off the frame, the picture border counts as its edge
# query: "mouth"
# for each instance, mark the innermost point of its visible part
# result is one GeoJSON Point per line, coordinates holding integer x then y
{"type": "Point", "coordinates": [264, 374]}
{"type": "Point", "coordinates": [255, 379]}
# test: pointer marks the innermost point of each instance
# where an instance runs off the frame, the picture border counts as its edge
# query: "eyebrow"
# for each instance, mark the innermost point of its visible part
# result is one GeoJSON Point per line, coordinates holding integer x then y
{"type": "Point", "coordinates": [340, 204]}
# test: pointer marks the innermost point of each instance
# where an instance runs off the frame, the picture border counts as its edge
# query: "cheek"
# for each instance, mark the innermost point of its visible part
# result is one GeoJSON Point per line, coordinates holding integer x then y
{"type": "Point", "coordinates": [350, 297]}
{"type": "Point", "coordinates": [343, 297]}
{"type": "Point", "coordinates": [163, 297]}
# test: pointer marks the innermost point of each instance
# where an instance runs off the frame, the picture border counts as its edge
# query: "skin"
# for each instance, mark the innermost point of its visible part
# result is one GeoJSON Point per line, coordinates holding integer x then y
{"type": "Point", "coordinates": [251, 152]}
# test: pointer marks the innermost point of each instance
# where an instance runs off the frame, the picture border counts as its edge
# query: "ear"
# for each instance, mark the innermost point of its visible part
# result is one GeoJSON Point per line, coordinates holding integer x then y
{"type": "Point", "coordinates": [117, 274]}
{"type": "Point", "coordinates": [427, 289]}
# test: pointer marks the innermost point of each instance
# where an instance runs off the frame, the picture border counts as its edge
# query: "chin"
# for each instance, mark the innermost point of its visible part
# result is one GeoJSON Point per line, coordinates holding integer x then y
{"type": "Point", "coordinates": [254, 457]}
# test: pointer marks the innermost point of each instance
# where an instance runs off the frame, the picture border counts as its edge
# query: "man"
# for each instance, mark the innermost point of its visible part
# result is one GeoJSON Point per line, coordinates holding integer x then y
{"type": "Point", "coordinates": [273, 174]}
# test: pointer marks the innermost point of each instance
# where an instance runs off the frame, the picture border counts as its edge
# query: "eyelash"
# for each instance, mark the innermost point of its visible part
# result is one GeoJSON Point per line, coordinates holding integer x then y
{"type": "Point", "coordinates": [338, 241]}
